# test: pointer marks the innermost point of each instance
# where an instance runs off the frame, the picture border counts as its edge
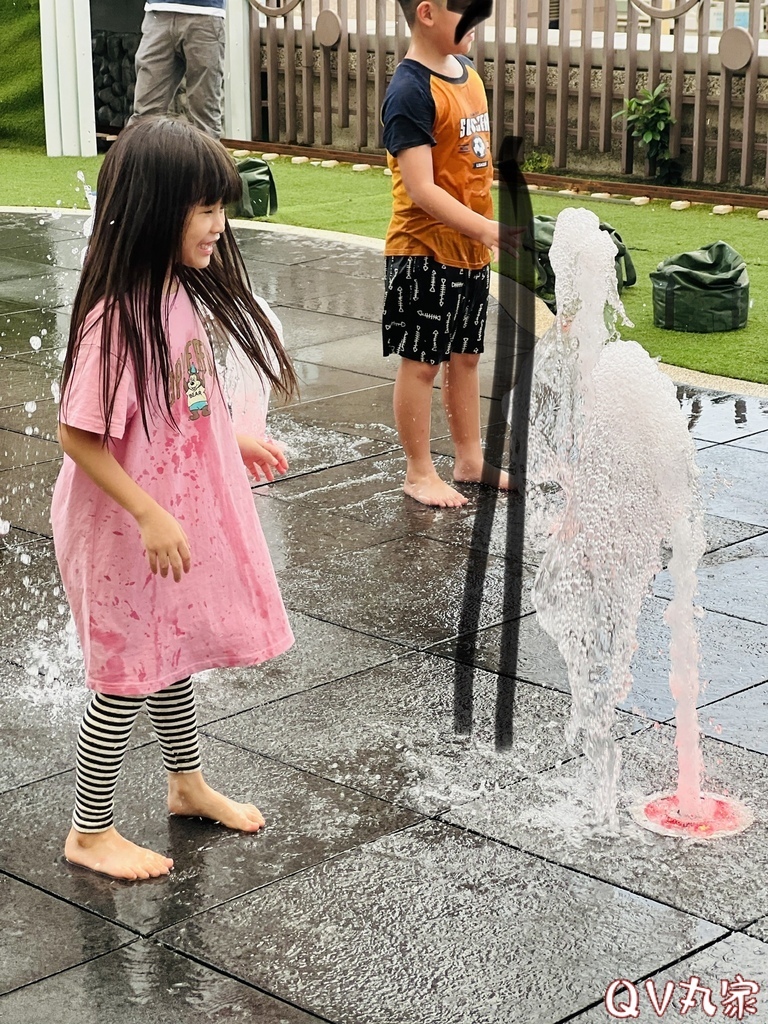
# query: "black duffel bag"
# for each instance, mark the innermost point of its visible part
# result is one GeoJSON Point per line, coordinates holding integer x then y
{"type": "Point", "coordinates": [703, 291]}
{"type": "Point", "coordinates": [259, 196]}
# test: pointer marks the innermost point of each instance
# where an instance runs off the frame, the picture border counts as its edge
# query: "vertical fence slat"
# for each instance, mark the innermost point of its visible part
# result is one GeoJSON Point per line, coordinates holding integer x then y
{"type": "Point", "coordinates": [630, 85]}
{"type": "Point", "coordinates": [326, 103]}
{"type": "Point", "coordinates": [724, 107]}
{"type": "Point", "coordinates": [540, 92]}
{"type": "Point", "coordinates": [361, 74]}
{"type": "Point", "coordinates": [479, 52]}
{"type": "Point", "coordinates": [499, 75]}
{"type": "Point", "coordinates": [256, 95]}
{"type": "Point", "coordinates": [521, 61]}
{"type": "Point", "coordinates": [343, 65]}
{"type": "Point", "coordinates": [380, 69]}
{"type": "Point", "coordinates": [585, 73]}
{"type": "Point", "coordinates": [750, 98]}
{"type": "Point", "coordinates": [606, 85]}
{"type": "Point", "coordinates": [700, 104]}
{"type": "Point", "coordinates": [307, 74]}
{"type": "Point", "coordinates": [677, 88]}
{"type": "Point", "coordinates": [563, 75]}
{"type": "Point", "coordinates": [401, 34]}
{"type": "Point", "coordinates": [289, 60]}
{"type": "Point", "coordinates": [273, 81]}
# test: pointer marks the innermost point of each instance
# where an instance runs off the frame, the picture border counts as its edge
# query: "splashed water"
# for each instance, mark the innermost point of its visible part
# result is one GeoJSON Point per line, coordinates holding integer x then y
{"type": "Point", "coordinates": [612, 478]}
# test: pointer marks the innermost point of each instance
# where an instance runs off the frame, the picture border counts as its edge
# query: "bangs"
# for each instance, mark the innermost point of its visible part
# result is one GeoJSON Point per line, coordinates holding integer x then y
{"type": "Point", "coordinates": [217, 176]}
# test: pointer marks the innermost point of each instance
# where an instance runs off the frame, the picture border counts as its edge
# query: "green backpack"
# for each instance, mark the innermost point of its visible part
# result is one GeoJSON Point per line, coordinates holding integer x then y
{"type": "Point", "coordinates": [538, 241]}
{"type": "Point", "coordinates": [259, 196]}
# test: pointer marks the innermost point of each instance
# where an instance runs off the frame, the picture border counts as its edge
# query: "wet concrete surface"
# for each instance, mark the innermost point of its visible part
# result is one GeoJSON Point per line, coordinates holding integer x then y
{"type": "Point", "coordinates": [406, 875]}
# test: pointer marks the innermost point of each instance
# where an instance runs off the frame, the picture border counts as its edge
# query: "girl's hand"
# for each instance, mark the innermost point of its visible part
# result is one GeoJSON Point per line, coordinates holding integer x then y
{"type": "Point", "coordinates": [262, 457]}
{"type": "Point", "coordinates": [503, 238]}
{"type": "Point", "coordinates": [165, 542]}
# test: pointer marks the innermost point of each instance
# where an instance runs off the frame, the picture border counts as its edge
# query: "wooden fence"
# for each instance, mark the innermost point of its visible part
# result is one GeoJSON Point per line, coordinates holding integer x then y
{"type": "Point", "coordinates": [556, 73]}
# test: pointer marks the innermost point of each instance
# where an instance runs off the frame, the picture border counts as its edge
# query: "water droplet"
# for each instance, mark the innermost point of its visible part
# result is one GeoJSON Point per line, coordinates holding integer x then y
{"type": "Point", "coordinates": [5, 526]}
{"type": "Point", "coordinates": [30, 407]}
{"type": "Point", "coordinates": [56, 391]}
{"type": "Point", "coordinates": [35, 342]}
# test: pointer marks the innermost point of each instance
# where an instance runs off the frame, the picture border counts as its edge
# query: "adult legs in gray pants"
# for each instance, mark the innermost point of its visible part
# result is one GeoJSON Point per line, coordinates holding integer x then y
{"type": "Point", "coordinates": [175, 46]}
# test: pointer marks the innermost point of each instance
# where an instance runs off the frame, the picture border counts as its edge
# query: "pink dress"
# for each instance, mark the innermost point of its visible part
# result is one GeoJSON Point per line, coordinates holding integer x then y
{"type": "Point", "coordinates": [139, 632]}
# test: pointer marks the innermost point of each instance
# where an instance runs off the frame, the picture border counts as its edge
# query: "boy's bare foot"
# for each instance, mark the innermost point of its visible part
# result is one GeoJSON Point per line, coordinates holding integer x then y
{"type": "Point", "coordinates": [190, 795]}
{"type": "Point", "coordinates": [110, 854]}
{"type": "Point", "coordinates": [431, 490]}
{"type": "Point", "coordinates": [483, 473]}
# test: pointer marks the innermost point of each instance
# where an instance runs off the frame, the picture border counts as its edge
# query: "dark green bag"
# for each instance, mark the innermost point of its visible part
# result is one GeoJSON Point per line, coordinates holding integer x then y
{"type": "Point", "coordinates": [702, 291]}
{"type": "Point", "coordinates": [538, 241]}
{"type": "Point", "coordinates": [259, 196]}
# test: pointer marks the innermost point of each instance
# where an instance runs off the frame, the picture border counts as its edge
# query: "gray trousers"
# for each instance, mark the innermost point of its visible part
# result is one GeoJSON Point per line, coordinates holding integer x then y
{"type": "Point", "coordinates": [175, 46]}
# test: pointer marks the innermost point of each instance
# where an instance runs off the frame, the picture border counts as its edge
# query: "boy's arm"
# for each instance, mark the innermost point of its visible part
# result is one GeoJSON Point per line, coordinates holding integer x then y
{"type": "Point", "coordinates": [164, 540]}
{"type": "Point", "coordinates": [418, 176]}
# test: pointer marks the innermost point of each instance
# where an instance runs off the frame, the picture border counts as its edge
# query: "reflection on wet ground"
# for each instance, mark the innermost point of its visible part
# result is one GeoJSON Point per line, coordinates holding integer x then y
{"type": "Point", "coordinates": [405, 876]}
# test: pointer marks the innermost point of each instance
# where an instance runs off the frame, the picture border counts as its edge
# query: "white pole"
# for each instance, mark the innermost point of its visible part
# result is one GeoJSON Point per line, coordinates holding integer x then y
{"type": "Point", "coordinates": [237, 72]}
{"type": "Point", "coordinates": [70, 118]}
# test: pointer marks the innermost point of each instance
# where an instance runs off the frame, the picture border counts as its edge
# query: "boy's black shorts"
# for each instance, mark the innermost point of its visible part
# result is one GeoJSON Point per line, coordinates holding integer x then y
{"type": "Point", "coordinates": [431, 310]}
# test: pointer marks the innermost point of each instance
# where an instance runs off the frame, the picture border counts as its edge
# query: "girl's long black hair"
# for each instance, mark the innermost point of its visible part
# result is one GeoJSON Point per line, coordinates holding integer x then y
{"type": "Point", "coordinates": [156, 173]}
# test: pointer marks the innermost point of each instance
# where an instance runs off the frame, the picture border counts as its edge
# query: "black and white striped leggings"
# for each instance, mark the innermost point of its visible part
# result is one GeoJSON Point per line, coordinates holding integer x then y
{"type": "Point", "coordinates": [103, 740]}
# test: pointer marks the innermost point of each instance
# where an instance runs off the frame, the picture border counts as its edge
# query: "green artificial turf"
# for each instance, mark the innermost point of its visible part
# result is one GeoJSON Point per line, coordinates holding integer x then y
{"type": "Point", "coordinates": [21, 77]}
{"type": "Point", "coordinates": [341, 199]}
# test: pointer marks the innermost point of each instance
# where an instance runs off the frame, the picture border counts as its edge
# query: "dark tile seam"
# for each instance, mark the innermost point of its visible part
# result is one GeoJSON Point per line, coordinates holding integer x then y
{"type": "Point", "coordinates": [65, 970]}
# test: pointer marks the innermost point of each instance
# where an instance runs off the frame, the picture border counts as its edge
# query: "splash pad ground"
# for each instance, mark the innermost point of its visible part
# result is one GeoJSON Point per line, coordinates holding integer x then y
{"type": "Point", "coordinates": [403, 877]}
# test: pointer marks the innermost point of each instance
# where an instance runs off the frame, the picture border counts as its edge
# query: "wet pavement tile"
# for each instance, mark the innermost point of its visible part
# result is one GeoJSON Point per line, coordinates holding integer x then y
{"type": "Point", "coordinates": [19, 450]}
{"type": "Point", "coordinates": [734, 657]}
{"type": "Point", "coordinates": [389, 731]}
{"type": "Point", "coordinates": [144, 983]}
{"type": "Point", "coordinates": [321, 291]}
{"type": "Point", "coordinates": [34, 419]}
{"type": "Point", "coordinates": [732, 483]}
{"type": "Point", "coordinates": [548, 815]}
{"type": "Point", "coordinates": [308, 328]}
{"type": "Point", "coordinates": [318, 382]}
{"type": "Point", "coordinates": [760, 931]}
{"type": "Point", "coordinates": [435, 925]}
{"type": "Point", "coordinates": [29, 227]}
{"type": "Point", "coordinates": [360, 352]}
{"type": "Point", "coordinates": [308, 820]}
{"type": "Point", "coordinates": [309, 448]}
{"type": "Point", "coordinates": [409, 591]}
{"type": "Point", "coordinates": [33, 609]}
{"type": "Point", "coordinates": [741, 718]}
{"type": "Point", "coordinates": [25, 496]}
{"type": "Point", "coordinates": [284, 250]}
{"type": "Point", "coordinates": [40, 935]}
{"type": "Point", "coordinates": [12, 268]}
{"type": "Point", "coordinates": [756, 442]}
{"type": "Point", "coordinates": [727, 959]}
{"type": "Point", "coordinates": [717, 416]}
{"type": "Point", "coordinates": [733, 580]}
{"type": "Point", "coordinates": [22, 382]}
{"type": "Point", "coordinates": [321, 654]}
{"type": "Point", "coordinates": [39, 290]}
{"type": "Point", "coordinates": [65, 252]}
{"type": "Point", "coordinates": [297, 533]}
{"type": "Point", "coordinates": [17, 330]}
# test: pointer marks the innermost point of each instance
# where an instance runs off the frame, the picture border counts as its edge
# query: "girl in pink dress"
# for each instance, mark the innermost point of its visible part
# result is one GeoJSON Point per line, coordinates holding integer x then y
{"type": "Point", "coordinates": [156, 534]}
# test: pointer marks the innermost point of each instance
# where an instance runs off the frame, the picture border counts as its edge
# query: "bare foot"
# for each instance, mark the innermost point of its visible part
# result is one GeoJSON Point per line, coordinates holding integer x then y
{"type": "Point", "coordinates": [190, 795]}
{"type": "Point", "coordinates": [110, 854]}
{"type": "Point", "coordinates": [431, 490]}
{"type": "Point", "coordinates": [484, 473]}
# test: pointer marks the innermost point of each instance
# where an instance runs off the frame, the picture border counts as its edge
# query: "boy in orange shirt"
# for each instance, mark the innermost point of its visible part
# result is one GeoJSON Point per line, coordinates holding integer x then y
{"type": "Point", "coordinates": [438, 246]}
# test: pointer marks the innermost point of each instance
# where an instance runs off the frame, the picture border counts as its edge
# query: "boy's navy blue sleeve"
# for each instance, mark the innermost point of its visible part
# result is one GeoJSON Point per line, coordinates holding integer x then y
{"type": "Point", "coordinates": [408, 113]}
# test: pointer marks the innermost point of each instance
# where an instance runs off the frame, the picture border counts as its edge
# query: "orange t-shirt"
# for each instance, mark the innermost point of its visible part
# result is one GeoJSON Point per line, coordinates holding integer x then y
{"type": "Point", "coordinates": [422, 108]}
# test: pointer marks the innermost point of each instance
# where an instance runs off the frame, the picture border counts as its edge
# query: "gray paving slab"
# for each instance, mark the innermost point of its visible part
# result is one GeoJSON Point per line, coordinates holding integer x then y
{"type": "Point", "coordinates": [33, 610]}
{"type": "Point", "coordinates": [21, 382]}
{"type": "Point", "coordinates": [741, 719]}
{"type": "Point", "coordinates": [297, 533]}
{"type": "Point", "coordinates": [308, 820]}
{"type": "Point", "coordinates": [19, 450]}
{"type": "Point", "coordinates": [389, 731]}
{"type": "Point", "coordinates": [724, 960]}
{"type": "Point", "coordinates": [433, 925]}
{"type": "Point", "coordinates": [309, 448]}
{"type": "Point", "coordinates": [715, 416]}
{"type": "Point", "coordinates": [50, 252]}
{"type": "Point", "coordinates": [756, 442]}
{"type": "Point", "coordinates": [759, 930]}
{"type": "Point", "coordinates": [732, 580]}
{"type": "Point", "coordinates": [37, 418]}
{"type": "Point", "coordinates": [38, 290]}
{"type": "Point", "coordinates": [40, 935]}
{"type": "Point", "coordinates": [548, 815]}
{"type": "Point", "coordinates": [408, 591]}
{"type": "Point", "coordinates": [359, 351]}
{"type": "Point", "coordinates": [309, 328]}
{"type": "Point", "coordinates": [144, 983]}
{"type": "Point", "coordinates": [316, 382]}
{"type": "Point", "coordinates": [734, 657]}
{"type": "Point", "coordinates": [50, 326]}
{"type": "Point", "coordinates": [731, 483]}
{"type": "Point", "coordinates": [25, 496]}
{"type": "Point", "coordinates": [321, 291]}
